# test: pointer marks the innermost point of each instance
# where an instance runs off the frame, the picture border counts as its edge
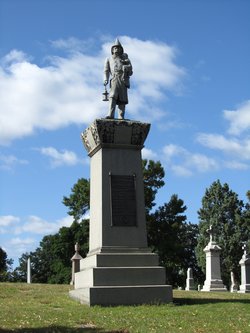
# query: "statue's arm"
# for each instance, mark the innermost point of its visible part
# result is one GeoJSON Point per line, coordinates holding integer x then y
{"type": "Point", "coordinates": [106, 72]}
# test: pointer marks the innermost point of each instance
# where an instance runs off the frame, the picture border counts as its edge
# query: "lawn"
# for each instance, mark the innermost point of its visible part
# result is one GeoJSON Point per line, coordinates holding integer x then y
{"type": "Point", "coordinates": [48, 308]}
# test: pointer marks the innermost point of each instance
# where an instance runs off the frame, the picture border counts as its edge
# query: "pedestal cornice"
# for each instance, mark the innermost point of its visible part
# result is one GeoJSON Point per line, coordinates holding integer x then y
{"type": "Point", "coordinates": [109, 132]}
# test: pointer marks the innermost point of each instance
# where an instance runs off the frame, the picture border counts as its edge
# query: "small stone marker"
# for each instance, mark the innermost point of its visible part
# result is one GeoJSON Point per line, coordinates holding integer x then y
{"type": "Point", "coordinates": [233, 287]}
{"type": "Point", "coordinates": [75, 263]}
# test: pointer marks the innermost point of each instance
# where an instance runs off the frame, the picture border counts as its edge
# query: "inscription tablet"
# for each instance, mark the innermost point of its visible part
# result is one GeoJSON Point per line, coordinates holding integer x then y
{"type": "Point", "coordinates": [123, 201]}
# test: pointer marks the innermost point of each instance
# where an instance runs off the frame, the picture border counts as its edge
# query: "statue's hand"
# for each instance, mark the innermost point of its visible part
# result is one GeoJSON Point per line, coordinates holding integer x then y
{"type": "Point", "coordinates": [105, 82]}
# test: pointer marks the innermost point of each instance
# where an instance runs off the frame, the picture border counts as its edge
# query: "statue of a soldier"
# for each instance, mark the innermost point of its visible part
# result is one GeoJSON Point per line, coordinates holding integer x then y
{"type": "Point", "coordinates": [120, 69]}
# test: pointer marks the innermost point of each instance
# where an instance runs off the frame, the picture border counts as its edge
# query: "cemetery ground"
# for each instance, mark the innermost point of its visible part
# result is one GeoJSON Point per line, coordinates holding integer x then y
{"type": "Point", "coordinates": [48, 308]}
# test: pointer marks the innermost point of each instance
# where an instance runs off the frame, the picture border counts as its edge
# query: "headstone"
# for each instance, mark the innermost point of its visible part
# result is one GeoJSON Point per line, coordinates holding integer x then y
{"type": "Point", "coordinates": [213, 280]}
{"type": "Point", "coordinates": [119, 269]}
{"type": "Point", "coordinates": [190, 280]}
{"type": "Point", "coordinates": [75, 263]}
{"type": "Point", "coordinates": [233, 286]}
{"type": "Point", "coordinates": [28, 271]}
{"type": "Point", "coordinates": [245, 271]}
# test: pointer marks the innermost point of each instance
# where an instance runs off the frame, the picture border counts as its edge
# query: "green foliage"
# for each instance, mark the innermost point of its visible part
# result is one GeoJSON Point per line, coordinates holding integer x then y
{"type": "Point", "coordinates": [153, 174]}
{"type": "Point", "coordinates": [168, 234]}
{"type": "Point", "coordinates": [222, 208]}
{"type": "Point", "coordinates": [3, 260]}
{"type": "Point", "coordinates": [173, 239]}
{"type": "Point", "coordinates": [5, 266]}
{"type": "Point", "coordinates": [78, 201]}
{"type": "Point", "coordinates": [51, 263]}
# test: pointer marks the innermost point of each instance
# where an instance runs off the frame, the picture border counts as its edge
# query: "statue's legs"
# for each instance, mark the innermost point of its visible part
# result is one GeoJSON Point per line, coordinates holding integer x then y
{"type": "Point", "coordinates": [112, 104]}
{"type": "Point", "coordinates": [121, 111]}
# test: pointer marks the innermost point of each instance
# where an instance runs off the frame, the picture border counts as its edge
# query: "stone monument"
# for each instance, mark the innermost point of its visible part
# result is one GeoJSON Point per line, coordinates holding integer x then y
{"type": "Point", "coordinates": [119, 268]}
{"type": "Point", "coordinates": [213, 280]}
{"type": "Point", "coordinates": [190, 280]}
{"type": "Point", "coordinates": [245, 271]}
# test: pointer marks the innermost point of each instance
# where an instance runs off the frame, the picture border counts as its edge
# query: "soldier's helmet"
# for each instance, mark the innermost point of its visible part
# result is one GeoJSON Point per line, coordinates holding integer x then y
{"type": "Point", "coordinates": [117, 43]}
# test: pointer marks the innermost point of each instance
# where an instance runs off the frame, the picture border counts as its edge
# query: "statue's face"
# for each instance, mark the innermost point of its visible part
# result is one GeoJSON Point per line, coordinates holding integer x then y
{"type": "Point", "coordinates": [117, 50]}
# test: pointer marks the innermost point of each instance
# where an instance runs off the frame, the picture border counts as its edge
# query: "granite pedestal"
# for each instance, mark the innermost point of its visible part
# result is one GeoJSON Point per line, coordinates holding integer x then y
{"type": "Point", "coordinates": [119, 268]}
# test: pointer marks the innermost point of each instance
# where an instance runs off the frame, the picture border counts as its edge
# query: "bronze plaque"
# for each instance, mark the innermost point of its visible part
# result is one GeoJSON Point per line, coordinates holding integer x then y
{"type": "Point", "coordinates": [123, 201]}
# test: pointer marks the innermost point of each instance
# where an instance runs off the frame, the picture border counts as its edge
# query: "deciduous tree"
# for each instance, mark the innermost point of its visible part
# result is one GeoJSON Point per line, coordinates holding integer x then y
{"type": "Point", "coordinates": [222, 208]}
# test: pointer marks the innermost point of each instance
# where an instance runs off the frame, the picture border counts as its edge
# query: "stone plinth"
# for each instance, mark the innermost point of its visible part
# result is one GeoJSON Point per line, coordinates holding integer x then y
{"type": "Point", "coordinates": [213, 280]}
{"type": "Point", "coordinates": [119, 268]}
{"type": "Point", "coordinates": [245, 274]}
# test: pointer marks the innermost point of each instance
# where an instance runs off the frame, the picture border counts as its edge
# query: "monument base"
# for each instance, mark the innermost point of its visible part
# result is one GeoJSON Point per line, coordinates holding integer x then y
{"type": "Point", "coordinates": [214, 286]}
{"type": "Point", "coordinates": [245, 288]}
{"type": "Point", "coordinates": [121, 279]}
{"type": "Point", "coordinates": [123, 295]}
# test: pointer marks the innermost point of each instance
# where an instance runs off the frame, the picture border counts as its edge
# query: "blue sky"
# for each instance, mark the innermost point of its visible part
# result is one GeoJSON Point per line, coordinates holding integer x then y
{"type": "Point", "coordinates": [191, 82]}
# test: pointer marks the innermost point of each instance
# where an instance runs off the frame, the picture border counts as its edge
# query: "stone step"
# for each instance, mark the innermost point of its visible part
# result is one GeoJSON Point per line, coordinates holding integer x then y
{"type": "Point", "coordinates": [123, 295]}
{"type": "Point", "coordinates": [120, 260]}
{"type": "Point", "coordinates": [120, 276]}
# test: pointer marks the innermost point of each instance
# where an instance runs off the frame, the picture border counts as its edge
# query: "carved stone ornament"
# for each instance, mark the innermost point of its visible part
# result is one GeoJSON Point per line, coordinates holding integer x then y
{"type": "Point", "coordinates": [104, 132]}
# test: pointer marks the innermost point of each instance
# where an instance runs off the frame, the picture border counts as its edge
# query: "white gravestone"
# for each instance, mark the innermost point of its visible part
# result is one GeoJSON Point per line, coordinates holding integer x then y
{"type": "Point", "coordinates": [233, 286]}
{"type": "Point", "coordinates": [213, 280]}
{"type": "Point", "coordinates": [245, 271]}
{"type": "Point", "coordinates": [190, 280]}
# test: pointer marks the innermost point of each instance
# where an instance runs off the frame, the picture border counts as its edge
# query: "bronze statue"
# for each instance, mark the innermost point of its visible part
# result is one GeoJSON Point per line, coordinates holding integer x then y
{"type": "Point", "coordinates": [120, 69]}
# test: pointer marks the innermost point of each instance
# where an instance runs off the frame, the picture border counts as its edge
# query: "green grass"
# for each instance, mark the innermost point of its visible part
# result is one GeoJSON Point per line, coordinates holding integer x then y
{"type": "Point", "coordinates": [48, 308]}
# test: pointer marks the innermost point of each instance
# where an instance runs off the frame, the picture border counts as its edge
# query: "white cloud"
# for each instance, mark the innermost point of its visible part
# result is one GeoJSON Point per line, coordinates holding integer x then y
{"type": "Point", "coordinates": [149, 154]}
{"type": "Point", "coordinates": [236, 165]}
{"type": "Point", "coordinates": [8, 220]}
{"type": "Point", "coordinates": [239, 119]}
{"type": "Point", "coordinates": [182, 171]}
{"type": "Point", "coordinates": [172, 150]}
{"type": "Point", "coordinates": [73, 45]}
{"type": "Point", "coordinates": [184, 163]}
{"type": "Point", "coordinates": [17, 246]}
{"type": "Point", "coordinates": [7, 162]}
{"type": "Point", "coordinates": [231, 146]}
{"type": "Point", "coordinates": [68, 90]}
{"type": "Point", "coordinates": [37, 225]}
{"type": "Point", "coordinates": [21, 241]}
{"type": "Point", "coordinates": [65, 157]}
{"type": "Point", "coordinates": [28, 232]}
{"type": "Point", "coordinates": [65, 221]}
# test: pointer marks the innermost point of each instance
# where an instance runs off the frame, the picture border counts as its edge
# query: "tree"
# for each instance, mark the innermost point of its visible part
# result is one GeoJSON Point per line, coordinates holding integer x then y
{"type": "Point", "coordinates": [153, 174]}
{"type": "Point", "coordinates": [5, 266]}
{"type": "Point", "coordinates": [78, 201]}
{"type": "Point", "coordinates": [173, 239]}
{"type": "Point", "coordinates": [50, 262]}
{"type": "Point", "coordinates": [168, 233]}
{"type": "Point", "coordinates": [222, 208]}
{"type": "Point", "coordinates": [246, 222]}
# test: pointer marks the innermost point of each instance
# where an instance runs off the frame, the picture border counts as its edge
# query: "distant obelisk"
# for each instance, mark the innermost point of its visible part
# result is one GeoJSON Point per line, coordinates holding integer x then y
{"type": "Point", "coordinates": [28, 271]}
